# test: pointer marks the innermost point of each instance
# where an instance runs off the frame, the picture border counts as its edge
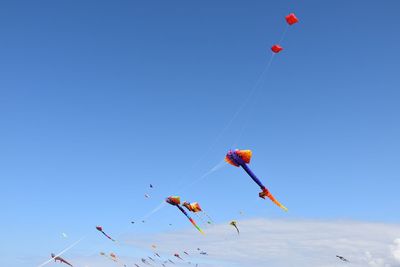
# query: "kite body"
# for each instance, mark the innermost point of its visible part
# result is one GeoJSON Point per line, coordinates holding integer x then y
{"type": "Point", "coordinates": [276, 48]}
{"type": "Point", "coordinates": [240, 158]}
{"type": "Point", "coordinates": [61, 260]}
{"type": "Point", "coordinates": [177, 255]}
{"type": "Point", "coordinates": [100, 229]}
{"type": "Point", "coordinates": [234, 224]}
{"type": "Point", "coordinates": [342, 258]}
{"type": "Point", "coordinates": [291, 19]}
{"type": "Point", "coordinates": [195, 208]}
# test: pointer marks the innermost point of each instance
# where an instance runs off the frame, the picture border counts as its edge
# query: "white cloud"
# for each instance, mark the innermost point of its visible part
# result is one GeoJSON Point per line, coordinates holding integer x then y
{"type": "Point", "coordinates": [289, 243]}
{"type": "Point", "coordinates": [278, 243]}
{"type": "Point", "coordinates": [395, 248]}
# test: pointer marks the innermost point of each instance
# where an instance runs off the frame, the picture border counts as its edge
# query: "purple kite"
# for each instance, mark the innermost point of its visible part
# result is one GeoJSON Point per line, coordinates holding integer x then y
{"type": "Point", "coordinates": [100, 229]}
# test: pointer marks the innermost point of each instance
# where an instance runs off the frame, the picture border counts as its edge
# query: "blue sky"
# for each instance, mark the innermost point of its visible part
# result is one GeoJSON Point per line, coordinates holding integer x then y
{"type": "Point", "coordinates": [99, 99]}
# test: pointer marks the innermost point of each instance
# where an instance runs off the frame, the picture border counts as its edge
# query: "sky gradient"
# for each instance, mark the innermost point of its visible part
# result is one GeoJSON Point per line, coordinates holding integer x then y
{"type": "Point", "coordinates": [99, 99]}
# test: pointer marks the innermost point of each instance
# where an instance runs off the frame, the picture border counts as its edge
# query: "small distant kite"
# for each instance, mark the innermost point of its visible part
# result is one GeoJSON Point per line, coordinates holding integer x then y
{"type": "Point", "coordinates": [177, 255]}
{"type": "Point", "coordinates": [276, 48]}
{"type": "Point", "coordinates": [242, 158]}
{"type": "Point", "coordinates": [145, 262]}
{"type": "Point", "coordinates": [234, 224]}
{"type": "Point", "coordinates": [100, 229]}
{"type": "Point", "coordinates": [113, 257]}
{"type": "Point", "coordinates": [291, 19]}
{"type": "Point", "coordinates": [61, 260]}
{"type": "Point", "coordinates": [342, 258]}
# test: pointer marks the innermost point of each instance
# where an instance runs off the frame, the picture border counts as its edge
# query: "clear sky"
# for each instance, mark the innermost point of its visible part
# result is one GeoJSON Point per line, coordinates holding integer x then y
{"type": "Point", "coordinates": [100, 98]}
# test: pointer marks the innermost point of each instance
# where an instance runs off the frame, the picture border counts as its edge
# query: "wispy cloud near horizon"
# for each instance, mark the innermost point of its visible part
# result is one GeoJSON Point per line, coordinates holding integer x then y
{"type": "Point", "coordinates": [288, 243]}
{"type": "Point", "coordinates": [276, 243]}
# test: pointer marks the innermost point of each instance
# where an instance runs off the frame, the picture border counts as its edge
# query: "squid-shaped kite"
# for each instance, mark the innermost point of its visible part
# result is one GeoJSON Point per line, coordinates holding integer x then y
{"type": "Point", "coordinates": [100, 229]}
{"type": "Point", "coordinates": [176, 201]}
{"type": "Point", "coordinates": [242, 158]}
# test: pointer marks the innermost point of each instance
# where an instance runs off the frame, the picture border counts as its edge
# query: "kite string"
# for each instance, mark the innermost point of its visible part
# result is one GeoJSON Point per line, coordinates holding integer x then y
{"type": "Point", "coordinates": [232, 119]}
{"type": "Point", "coordinates": [252, 108]}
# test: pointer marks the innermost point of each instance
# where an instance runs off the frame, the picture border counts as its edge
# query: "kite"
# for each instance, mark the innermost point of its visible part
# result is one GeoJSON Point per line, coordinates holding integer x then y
{"type": "Point", "coordinates": [177, 255]}
{"type": "Point", "coordinates": [158, 255]}
{"type": "Point", "coordinates": [61, 260]}
{"type": "Point", "coordinates": [150, 258]}
{"type": "Point", "coordinates": [100, 229]}
{"type": "Point", "coordinates": [291, 19]}
{"type": "Point", "coordinates": [195, 208]}
{"type": "Point", "coordinates": [242, 158]}
{"type": "Point", "coordinates": [145, 262]}
{"type": "Point", "coordinates": [203, 253]}
{"type": "Point", "coordinates": [146, 196]}
{"type": "Point", "coordinates": [186, 253]}
{"type": "Point", "coordinates": [234, 224]}
{"type": "Point", "coordinates": [171, 261]}
{"type": "Point", "coordinates": [137, 265]}
{"type": "Point", "coordinates": [176, 201]}
{"type": "Point", "coordinates": [276, 48]}
{"type": "Point", "coordinates": [342, 258]}
{"type": "Point", "coordinates": [151, 186]}
{"type": "Point", "coordinates": [113, 257]}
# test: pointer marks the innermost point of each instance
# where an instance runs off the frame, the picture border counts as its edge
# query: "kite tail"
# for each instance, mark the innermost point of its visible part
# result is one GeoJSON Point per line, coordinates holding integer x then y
{"type": "Point", "coordinates": [109, 237]}
{"type": "Point", "coordinates": [237, 229]}
{"type": "Point", "coordinates": [190, 219]}
{"type": "Point", "coordinates": [195, 225]}
{"type": "Point", "coordinates": [273, 199]}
